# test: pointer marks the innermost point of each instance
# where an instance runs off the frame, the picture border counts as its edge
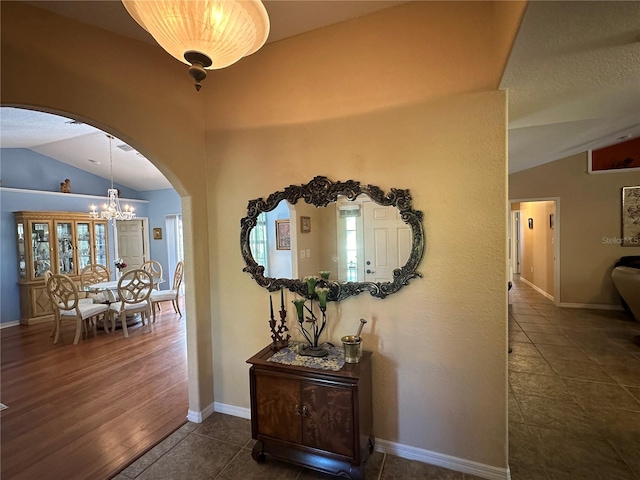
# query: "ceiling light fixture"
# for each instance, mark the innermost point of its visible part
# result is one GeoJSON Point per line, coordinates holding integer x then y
{"type": "Point", "coordinates": [112, 210]}
{"type": "Point", "coordinates": [205, 34]}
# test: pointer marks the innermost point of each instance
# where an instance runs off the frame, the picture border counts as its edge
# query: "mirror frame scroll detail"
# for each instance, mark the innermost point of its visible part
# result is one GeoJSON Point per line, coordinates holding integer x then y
{"type": "Point", "coordinates": [321, 191]}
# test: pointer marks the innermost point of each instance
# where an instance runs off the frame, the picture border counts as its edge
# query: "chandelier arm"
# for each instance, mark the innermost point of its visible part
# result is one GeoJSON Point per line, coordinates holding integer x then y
{"type": "Point", "coordinates": [112, 209]}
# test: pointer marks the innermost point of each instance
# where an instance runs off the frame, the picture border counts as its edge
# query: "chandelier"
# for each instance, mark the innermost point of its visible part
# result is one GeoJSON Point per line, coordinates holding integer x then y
{"type": "Point", "coordinates": [112, 210]}
{"type": "Point", "coordinates": [205, 34]}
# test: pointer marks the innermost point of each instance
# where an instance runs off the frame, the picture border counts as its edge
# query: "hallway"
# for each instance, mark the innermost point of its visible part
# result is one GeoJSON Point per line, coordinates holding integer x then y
{"type": "Point", "coordinates": [574, 391]}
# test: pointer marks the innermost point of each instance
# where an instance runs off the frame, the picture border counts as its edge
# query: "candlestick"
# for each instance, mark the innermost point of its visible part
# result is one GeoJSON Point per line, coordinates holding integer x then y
{"type": "Point", "coordinates": [281, 298]}
{"type": "Point", "coordinates": [271, 305]}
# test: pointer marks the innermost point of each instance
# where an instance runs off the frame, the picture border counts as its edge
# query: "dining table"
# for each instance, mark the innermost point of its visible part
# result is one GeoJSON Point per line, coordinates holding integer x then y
{"type": "Point", "coordinates": [109, 291]}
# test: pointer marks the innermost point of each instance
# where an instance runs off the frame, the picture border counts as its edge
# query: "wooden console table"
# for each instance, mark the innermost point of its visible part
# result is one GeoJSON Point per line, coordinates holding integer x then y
{"type": "Point", "coordinates": [311, 417]}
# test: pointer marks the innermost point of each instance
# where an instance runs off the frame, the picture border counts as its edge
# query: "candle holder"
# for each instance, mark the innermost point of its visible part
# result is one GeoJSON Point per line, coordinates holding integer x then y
{"type": "Point", "coordinates": [278, 332]}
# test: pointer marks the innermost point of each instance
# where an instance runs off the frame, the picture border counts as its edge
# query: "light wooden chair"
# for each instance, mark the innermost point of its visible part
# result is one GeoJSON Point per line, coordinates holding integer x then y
{"type": "Point", "coordinates": [155, 270]}
{"type": "Point", "coordinates": [94, 273]}
{"type": "Point", "coordinates": [134, 288]}
{"type": "Point", "coordinates": [173, 294]}
{"type": "Point", "coordinates": [66, 302]}
{"type": "Point", "coordinates": [47, 276]}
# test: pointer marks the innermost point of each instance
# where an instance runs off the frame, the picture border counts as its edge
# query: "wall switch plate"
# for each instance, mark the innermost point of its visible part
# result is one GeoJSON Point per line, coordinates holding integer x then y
{"type": "Point", "coordinates": [308, 253]}
{"type": "Point", "coordinates": [302, 254]}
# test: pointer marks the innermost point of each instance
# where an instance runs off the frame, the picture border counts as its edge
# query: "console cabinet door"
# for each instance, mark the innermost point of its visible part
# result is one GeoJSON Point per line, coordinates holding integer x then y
{"type": "Point", "coordinates": [278, 405]}
{"type": "Point", "coordinates": [327, 422]}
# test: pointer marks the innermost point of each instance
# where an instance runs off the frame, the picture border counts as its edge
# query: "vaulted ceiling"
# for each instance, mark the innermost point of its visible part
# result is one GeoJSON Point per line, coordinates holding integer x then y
{"type": "Point", "coordinates": [573, 79]}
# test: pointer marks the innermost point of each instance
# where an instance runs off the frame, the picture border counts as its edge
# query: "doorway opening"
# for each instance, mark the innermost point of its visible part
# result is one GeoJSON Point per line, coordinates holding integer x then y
{"type": "Point", "coordinates": [534, 253]}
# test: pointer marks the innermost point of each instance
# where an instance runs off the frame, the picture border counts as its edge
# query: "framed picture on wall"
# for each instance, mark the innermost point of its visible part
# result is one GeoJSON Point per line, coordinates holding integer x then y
{"type": "Point", "coordinates": [157, 234]}
{"type": "Point", "coordinates": [283, 235]}
{"type": "Point", "coordinates": [305, 224]}
{"type": "Point", "coordinates": [631, 216]}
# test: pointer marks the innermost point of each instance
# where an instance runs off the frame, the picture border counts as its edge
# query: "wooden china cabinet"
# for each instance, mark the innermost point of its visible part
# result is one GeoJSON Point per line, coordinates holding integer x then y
{"type": "Point", "coordinates": [63, 242]}
{"type": "Point", "coordinates": [315, 418]}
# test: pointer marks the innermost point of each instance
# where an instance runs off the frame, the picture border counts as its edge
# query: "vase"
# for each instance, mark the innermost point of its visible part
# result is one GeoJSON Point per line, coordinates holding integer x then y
{"type": "Point", "coordinates": [309, 351]}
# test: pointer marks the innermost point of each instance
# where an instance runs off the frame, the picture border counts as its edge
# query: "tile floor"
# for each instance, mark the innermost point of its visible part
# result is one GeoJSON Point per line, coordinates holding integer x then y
{"type": "Point", "coordinates": [574, 391]}
{"type": "Point", "coordinates": [220, 448]}
{"type": "Point", "coordinates": [574, 410]}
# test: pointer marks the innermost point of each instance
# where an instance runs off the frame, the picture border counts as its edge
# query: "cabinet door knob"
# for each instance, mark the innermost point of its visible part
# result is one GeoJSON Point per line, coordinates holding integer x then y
{"type": "Point", "coordinates": [305, 411]}
{"type": "Point", "coordinates": [298, 411]}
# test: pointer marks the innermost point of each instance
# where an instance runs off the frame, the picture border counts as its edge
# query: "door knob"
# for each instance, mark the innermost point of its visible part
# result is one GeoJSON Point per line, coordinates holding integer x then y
{"type": "Point", "coordinates": [369, 271]}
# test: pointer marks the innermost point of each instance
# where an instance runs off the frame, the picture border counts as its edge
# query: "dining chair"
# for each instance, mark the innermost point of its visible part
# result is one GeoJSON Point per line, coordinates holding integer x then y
{"type": "Point", "coordinates": [134, 288]}
{"type": "Point", "coordinates": [67, 305]}
{"type": "Point", "coordinates": [94, 273]}
{"type": "Point", "coordinates": [155, 269]}
{"type": "Point", "coordinates": [173, 294]}
{"type": "Point", "coordinates": [47, 276]}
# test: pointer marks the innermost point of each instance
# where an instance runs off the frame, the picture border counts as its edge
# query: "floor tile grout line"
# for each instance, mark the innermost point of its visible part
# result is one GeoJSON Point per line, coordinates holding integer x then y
{"type": "Point", "coordinates": [615, 449]}
{"type": "Point", "coordinates": [384, 459]}
{"type": "Point", "coordinates": [229, 462]}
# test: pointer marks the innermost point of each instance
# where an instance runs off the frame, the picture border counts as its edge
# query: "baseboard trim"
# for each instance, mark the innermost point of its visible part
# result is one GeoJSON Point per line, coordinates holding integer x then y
{"type": "Point", "coordinates": [232, 410]}
{"type": "Point", "coordinates": [15, 323]}
{"type": "Point", "coordinates": [405, 451]}
{"type": "Point", "coordinates": [199, 417]}
{"type": "Point", "coordinates": [442, 460]}
{"type": "Point", "coordinates": [537, 289]}
{"type": "Point", "coordinates": [593, 306]}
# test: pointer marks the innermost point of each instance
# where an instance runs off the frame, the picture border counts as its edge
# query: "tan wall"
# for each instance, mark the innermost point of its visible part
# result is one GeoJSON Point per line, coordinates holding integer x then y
{"type": "Point", "coordinates": [413, 108]}
{"type": "Point", "coordinates": [589, 222]}
{"type": "Point", "coordinates": [390, 112]}
{"type": "Point", "coordinates": [537, 245]}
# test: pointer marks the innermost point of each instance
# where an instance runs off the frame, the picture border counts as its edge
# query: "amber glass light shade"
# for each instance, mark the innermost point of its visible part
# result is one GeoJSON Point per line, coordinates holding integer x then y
{"type": "Point", "coordinates": [219, 32]}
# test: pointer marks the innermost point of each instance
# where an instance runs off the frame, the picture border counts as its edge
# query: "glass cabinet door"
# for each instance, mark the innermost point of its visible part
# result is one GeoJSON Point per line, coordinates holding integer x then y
{"type": "Point", "coordinates": [64, 235]}
{"type": "Point", "coordinates": [22, 261]}
{"type": "Point", "coordinates": [100, 241]}
{"type": "Point", "coordinates": [83, 232]}
{"type": "Point", "coordinates": [41, 248]}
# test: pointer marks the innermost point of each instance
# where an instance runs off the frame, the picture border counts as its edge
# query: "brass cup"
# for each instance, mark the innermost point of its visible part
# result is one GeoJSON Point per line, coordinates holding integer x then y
{"type": "Point", "coordinates": [352, 348]}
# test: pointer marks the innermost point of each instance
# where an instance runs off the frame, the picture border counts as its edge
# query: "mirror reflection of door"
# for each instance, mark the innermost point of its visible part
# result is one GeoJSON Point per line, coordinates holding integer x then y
{"type": "Point", "coordinates": [387, 242]}
{"type": "Point", "coordinates": [130, 243]}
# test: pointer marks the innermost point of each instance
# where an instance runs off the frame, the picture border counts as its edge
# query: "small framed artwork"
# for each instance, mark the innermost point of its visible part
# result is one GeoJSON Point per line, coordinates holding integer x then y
{"type": "Point", "coordinates": [631, 216]}
{"type": "Point", "coordinates": [552, 220]}
{"type": "Point", "coordinates": [531, 223]}
{"type": "Point", "coordinates": [157, 234]}
{"type": "Point", "coordinates": [283, 235]}
{"type": "Point", "coordinates": [305, 224]}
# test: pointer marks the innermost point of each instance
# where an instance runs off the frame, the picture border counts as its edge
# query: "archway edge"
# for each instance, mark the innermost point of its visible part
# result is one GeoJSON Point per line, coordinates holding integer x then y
{"type": "Point", "coordinates": [133, 91]}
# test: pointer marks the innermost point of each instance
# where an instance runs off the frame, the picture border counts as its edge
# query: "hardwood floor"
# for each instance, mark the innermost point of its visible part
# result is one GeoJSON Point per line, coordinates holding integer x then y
{"type": "Point", "coordinates": [86, 411]}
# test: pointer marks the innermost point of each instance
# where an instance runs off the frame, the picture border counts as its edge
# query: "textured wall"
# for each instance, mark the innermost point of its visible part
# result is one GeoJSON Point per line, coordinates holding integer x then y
{"type": "Point", "coordinates": [589, 221]}
{"type": "Point", "coordinates": [414, 107]}
{"type": "Point", "coordinates": [394, 110]}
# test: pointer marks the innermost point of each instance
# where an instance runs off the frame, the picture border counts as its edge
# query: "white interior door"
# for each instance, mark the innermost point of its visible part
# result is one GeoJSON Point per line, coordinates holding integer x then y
{"type": "Point", "coordinates": [387, 242]}
{"type": "Point", "coordinates": [131, 243]}
{"type": "Point", "coordinates": [515, 241]}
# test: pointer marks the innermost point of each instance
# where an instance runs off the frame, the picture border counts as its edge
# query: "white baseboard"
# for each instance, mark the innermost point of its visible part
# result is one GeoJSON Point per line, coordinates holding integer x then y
{"type": "Point", "coordinates": [442, 460]}
{"type": "Point", "coordinates": [233, 410]}
{"type": "Point", "coordinates": [199, 417]}
{"type": "Point", "coordinates": [593, 306]}
{"type": "Point", "coordinates": [15, 323]}
{"type": "Point", "coordinates": [537, 289]}
{"type": "Point", "coordinates": [405, 451]}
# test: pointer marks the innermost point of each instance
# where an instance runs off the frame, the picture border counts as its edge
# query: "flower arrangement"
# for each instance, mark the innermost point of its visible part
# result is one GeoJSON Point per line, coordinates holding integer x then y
{"type": "Point", "coordinates": [119, 263]}
{"type": "Point", "coordinates": [306, 315]}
